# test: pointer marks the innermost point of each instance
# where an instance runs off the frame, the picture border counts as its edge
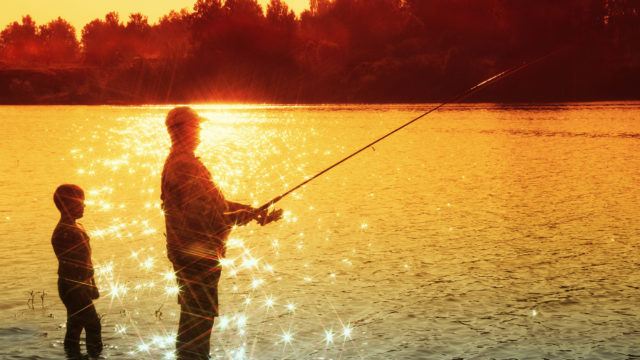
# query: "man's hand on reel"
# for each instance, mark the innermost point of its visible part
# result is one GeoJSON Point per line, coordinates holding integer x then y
{"type": "Point", "coordinates": [265, 216]}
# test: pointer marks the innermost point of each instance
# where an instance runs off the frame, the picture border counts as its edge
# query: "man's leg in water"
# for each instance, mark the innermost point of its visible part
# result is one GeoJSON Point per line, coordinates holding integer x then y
{"type": "Point", "coordinates": [194, 333]}
{"type": "Point", "coordinates": [198, 307]}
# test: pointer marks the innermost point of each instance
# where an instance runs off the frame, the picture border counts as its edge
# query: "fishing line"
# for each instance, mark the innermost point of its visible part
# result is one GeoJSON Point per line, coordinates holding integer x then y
{"type": "Point", "coordinates": [495, 78]}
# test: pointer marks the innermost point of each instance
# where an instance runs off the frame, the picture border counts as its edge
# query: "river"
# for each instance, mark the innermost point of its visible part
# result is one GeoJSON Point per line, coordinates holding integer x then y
{"type": "Point", "coordinates": [481, 231]}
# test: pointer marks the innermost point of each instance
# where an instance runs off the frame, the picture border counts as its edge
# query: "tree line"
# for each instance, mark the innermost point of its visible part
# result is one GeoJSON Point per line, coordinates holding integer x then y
{"type": "Point", "coordinates": [336, 51]}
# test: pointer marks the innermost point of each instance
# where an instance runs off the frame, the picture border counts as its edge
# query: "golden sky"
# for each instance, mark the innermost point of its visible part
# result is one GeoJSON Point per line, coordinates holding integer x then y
{"type": "Point", "coordinates": [80, 12]}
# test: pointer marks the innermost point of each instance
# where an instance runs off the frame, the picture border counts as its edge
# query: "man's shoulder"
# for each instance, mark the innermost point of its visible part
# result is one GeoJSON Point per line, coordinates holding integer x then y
{"type": "Point", "coordinates": [182, 160]}
{"type": "Point", "coordinates": [183, 165]}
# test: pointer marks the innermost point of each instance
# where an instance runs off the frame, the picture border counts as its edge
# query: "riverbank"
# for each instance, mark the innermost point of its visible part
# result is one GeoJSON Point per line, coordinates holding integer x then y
{"type": "Point", "coordinates": [606, 74]}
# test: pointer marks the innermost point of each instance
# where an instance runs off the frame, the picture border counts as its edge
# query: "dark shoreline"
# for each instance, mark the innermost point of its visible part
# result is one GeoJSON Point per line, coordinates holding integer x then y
{"type": "Point", "coordinates": [86, 86]}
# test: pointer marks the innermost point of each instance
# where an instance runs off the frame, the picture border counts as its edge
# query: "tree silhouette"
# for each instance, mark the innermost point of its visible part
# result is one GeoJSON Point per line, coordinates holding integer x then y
{"type": "Point", "coordinates": [20, 42]}
{"type": "Point", "coordinates": [59, 39]}
{"type": "Point", "coordinates": [137, 38]}
{"type": "Point", "coordinates": [102, 41]}
{"type": "Point", "coordinates": [337, 50]}
{"type": "Point", "coordinates": [172, 35]}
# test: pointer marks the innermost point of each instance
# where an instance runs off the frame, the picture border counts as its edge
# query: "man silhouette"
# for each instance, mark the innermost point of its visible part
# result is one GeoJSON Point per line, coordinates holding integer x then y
{"type": "Point", "coordinates": [198, 221]}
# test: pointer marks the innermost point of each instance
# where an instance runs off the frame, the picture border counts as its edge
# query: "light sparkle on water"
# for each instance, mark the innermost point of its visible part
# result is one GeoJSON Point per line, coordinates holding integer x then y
{"type": "Point", "coordinates": [140, 282]}
{"type": "Point", "coordinates": [328, 336]}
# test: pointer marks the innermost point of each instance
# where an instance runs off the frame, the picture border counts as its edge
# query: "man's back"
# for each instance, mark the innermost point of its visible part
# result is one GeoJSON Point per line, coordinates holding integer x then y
{"type": "Point", "coordinates": [194, 210]}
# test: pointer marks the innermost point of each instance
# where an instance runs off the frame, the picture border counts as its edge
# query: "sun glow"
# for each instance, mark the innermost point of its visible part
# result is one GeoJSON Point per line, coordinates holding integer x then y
{"type": "Point", "coordinates": [140, 281]}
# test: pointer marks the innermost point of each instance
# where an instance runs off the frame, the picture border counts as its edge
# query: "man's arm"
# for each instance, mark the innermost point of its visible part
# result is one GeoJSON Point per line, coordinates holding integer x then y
{"type": "Point", "coordinates": [240, 214]}
{"type": "Point", "coordinates": [245, 213]}
{"type": "Point", "coordinates": [197, 192]}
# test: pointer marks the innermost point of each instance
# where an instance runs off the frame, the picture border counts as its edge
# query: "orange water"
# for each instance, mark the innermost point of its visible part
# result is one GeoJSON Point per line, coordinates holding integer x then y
{"type": "Point", "coordinates": [482, 231]}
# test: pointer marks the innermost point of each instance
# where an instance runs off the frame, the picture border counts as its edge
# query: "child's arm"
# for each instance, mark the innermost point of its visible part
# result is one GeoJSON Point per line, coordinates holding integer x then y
{"type": "Point", "coordinates": [94, 292]}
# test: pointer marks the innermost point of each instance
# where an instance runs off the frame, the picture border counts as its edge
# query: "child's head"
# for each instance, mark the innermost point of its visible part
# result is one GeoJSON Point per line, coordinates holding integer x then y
{"type": "Point", "coordinates": [69, 199]}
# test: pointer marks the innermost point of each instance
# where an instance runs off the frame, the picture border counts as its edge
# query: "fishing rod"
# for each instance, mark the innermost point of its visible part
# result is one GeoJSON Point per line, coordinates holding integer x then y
{"type": "Point", "coordinates": [495, 78]}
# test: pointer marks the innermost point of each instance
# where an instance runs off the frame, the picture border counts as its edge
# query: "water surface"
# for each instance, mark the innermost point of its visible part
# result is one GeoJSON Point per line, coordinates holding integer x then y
{"type": "Point", "coordinates": [482, 231]}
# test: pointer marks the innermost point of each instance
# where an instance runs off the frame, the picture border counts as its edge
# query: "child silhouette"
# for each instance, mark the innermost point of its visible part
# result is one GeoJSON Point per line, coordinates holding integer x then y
{"type": "Point", "coordinates": [76, 284]}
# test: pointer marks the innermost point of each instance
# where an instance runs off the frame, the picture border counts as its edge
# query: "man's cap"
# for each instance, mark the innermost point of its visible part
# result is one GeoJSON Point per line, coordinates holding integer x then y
{"type": "Point", "coordinates": [182, 115]}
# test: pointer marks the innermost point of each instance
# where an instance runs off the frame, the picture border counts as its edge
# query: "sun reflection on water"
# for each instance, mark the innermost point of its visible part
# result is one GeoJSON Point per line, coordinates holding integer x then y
{"type": "Point", "coordinates": [249, 163]}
